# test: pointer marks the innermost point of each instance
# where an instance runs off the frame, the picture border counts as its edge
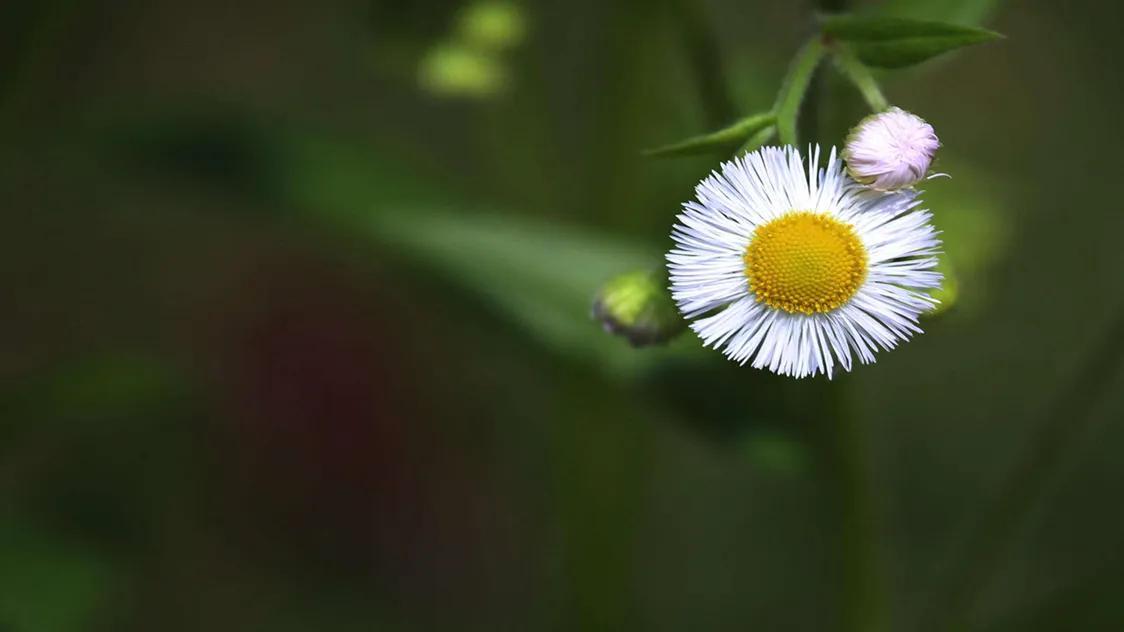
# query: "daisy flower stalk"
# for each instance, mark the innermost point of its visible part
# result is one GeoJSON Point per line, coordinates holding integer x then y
{"type": "Point", "coordinates": [797, 269]}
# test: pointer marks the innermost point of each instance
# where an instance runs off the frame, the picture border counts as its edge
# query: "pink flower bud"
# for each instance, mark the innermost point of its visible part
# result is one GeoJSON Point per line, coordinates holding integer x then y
{"type": "Point", "coordinates": [890, 150]}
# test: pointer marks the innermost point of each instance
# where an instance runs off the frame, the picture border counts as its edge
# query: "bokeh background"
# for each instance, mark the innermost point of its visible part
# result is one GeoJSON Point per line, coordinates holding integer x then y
{"type": "Point", "coordinates": [297, 328]}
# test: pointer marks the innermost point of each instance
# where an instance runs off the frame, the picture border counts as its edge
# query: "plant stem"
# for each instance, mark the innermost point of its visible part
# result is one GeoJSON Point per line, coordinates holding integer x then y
{"type": "Point", "coordinates": [841, 433]}
{"type": "Point", "coordinates": [791, 95]}
{"type": "Point", "coordinates": [861, 78]}
{"type": "Point", "coordinates": [757, 140]}
{"type": "Point", "coordinates": [1024, 486]}
{"type": "Point", "coordinates": [846, 460]}
{"type": "Point", "coordinates": [706, 62]}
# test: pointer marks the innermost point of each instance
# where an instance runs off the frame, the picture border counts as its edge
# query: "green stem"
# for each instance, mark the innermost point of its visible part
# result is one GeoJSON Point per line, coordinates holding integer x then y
{"type": "Point", "coordinates": [841, 433]}
{"type": "Point", "coordinates": [838, 436]}
{"type": "Point", "coordinates": [863, 603]}
{"type": "Point", "coordinates": [862, 79]}
{"type": "Point", "coordinates": [791, 95]}
{"type": "Point", "coordinates": [758, 139]}
{"type": "Point", "coordinates": [1023, 488]}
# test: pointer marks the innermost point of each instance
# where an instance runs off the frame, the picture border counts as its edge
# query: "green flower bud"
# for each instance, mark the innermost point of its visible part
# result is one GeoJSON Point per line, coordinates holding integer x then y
{"type": "Point", "coordinates": [638, 306]}
{"type": "Point", "coordinates": [452, 70]}
{"type": "Point", "coordinates": [493, 25]}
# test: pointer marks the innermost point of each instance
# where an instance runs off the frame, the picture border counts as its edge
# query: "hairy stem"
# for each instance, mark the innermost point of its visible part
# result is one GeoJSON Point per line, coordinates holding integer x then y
{"type": "Point", "coordinates": [791, 97]}
{"type": "Point", "coordinates": [860, 77]}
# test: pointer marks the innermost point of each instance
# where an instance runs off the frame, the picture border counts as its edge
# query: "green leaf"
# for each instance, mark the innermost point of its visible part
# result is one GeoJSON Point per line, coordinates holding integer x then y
{"type": "Point", "coordinates": [969, 12]}
{"type": "Point", "coordinates": [792, 90]}
{"type": "Point", "coordinates": [719, 141]}
{"type": "Point", "coordinates": [899, 42]}
{"type": "Point", "coordinates": [541, 276]}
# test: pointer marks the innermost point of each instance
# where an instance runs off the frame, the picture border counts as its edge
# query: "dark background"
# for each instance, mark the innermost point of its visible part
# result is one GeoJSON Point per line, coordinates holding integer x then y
{"type": "Point", "coordinates": [296, 332]}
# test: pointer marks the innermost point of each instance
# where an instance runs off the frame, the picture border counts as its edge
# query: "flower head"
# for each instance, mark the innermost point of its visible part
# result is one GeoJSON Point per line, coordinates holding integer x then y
{"type": "Point", "coordinates": [637, 306]}
{"type": "Point", "coordinates": [795, 268]}
{"type": "Point", "coordinates": [890, 150]}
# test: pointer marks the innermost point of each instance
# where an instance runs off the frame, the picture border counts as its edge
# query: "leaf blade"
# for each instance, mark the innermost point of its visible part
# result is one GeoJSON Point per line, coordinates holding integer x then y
{"type": "Point", "coordinates": [714, 141]}
{"type": "Point", "coordinates": [888, 42]}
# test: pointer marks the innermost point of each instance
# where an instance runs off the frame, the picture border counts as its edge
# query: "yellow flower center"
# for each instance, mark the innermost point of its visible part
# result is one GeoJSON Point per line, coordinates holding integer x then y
{"type": "Point", "coordinates": [805, 263]}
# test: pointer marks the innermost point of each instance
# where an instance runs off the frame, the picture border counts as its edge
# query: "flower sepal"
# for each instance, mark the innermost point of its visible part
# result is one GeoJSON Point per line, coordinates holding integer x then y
{"type": "Point", "coordinates": [638, 306]}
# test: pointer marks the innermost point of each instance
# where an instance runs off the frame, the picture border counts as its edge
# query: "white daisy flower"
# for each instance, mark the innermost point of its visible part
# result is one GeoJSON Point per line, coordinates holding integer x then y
{"type": "Point", "coordinates": [795, 268]}
{"type": "Point", "coordinates": [890, 150]}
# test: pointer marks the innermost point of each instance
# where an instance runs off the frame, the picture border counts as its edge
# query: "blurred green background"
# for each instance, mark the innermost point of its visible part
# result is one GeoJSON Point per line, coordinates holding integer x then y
{"type": "Point", "coordinates": [297, 332]}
